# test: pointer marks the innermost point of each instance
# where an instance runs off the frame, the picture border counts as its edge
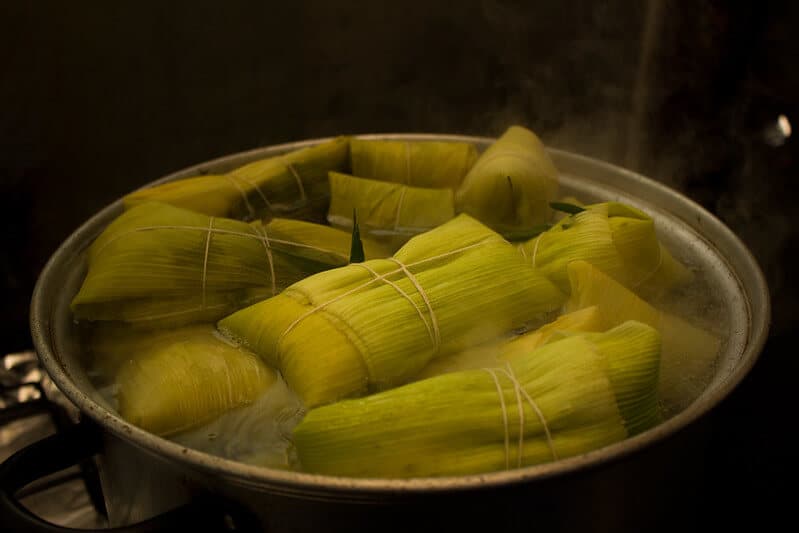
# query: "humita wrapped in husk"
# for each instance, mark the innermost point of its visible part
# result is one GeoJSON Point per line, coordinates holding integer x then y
{"type": "Point", "coordinates": [160, 265]}
{"type": "Point", "coordinates": [509, 188]}
{"type": "Point", "coordinates": [562, 399]}
{"type": "Point", "coordinates": [373, 325]}
{"type": "Point", "coordinates": [183, 382]}
{"type": "Point", "coordinates": [688, 350]}
{"type": "Point", "coordinates": [616, 238]}
{"type": "Point", "coordinates": [389, 212]}
{"type": "Point", "coordinates": [294, 183]}
{"type": "Point", "coordinates": [432, 164]}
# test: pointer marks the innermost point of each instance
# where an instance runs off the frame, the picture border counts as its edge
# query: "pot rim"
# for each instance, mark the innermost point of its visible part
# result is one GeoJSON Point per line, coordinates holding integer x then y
{"type": "Point", "coordinates": [291, 482]}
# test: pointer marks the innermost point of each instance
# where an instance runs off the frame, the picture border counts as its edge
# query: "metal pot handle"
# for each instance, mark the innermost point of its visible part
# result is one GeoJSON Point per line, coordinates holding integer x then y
{"type": "Point", "coordinates": [67, 448]}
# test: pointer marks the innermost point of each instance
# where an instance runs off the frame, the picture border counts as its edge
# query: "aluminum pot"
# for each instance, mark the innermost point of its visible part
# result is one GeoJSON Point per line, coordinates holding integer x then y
{"type": "Point", "coordinates": [651, 481]}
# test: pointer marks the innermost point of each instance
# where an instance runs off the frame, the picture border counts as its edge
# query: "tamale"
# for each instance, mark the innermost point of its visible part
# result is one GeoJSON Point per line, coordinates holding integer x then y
{"type": "Point", "coordinates": [509, 188]}
{"type": "Point", "coordinates": [618, 239]}
{"type": "Point", "coordinates": [688, 351]}
{"type": "Point", "coordinates": [432, 164]}
{"type": "Point", "coordinates": [390, 212]}
{"type": "Point", "coordinates": [289, 183]}
{"type": "Point", "coordinates": [159, 265]}
{"type": "Point", "coordinates": [373, 325]}
{"type": "Point", "coordinates": [563, 399]}
{"type": "Point", "coordinates": [167, 388]}
{"type": "Point", "coordinates": [498, 351]}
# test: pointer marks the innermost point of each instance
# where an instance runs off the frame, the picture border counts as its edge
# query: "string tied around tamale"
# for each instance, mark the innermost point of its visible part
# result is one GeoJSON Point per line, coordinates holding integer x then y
{"type": "Point", "coordinates": [399, 207]}
{"type": "Point", "coordinates": [520, 391]}
{"type": "Point", "coordinates": [205, 257]}
{"type": "Point", "coordinates": [261, 230]}
{"type": "Point", "coordinates": [535, 249]}
{"type": "Point", "coordinates": [367, 283]}
{"type": "Point", "coordinates": [243, 194]}
{"type": "Point", "coordinates": [300, 186]}
{"type": "Point", "coordinates": [217, 231]}
{"type": "Point", "coordinates": [257, 189]}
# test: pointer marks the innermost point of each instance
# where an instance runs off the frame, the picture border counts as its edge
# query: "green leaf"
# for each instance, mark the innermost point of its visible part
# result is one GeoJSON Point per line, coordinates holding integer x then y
{"type": "Point", "coordinates": [356, 248]}
{"type": "Point", "coordinates": [566, 208]}
{"type": "Point", "coordinates": [526, 234]}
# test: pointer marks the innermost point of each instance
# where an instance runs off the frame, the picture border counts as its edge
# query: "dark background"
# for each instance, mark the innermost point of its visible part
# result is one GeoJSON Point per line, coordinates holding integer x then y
{"type": "Point", "coordinates": [97, 98]}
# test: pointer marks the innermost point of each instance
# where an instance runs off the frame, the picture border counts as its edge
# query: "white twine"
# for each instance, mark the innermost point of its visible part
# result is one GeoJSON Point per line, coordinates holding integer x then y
{"type": "Point", "coordinates": [258, 229]}
{"type": "Point", "coordinates": [242, 193]}
{"type": "Point", "coordinates": [370, 282]}
{"type": "Point", "coordinates": [399, 207]}
{"type": "Point", "coordinates": [205, 257]}
{"type": "Point", "coordinates": [220, 231]}
{"type": "Point", "coordinates": [257, 189]}
{"type": "Point", "coordinates": [501, 395]}
{"type": "Point", "coordinates": [535, 249]}
{"type": "Point", "coordinates": [404, 295]}
{"type": "Point", "coordinates": [519, 391]}
{"type": "Point", "coordinates": [296, 175]}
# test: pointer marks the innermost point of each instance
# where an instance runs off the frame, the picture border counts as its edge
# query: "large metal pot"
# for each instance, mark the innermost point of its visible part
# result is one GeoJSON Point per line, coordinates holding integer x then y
{"type": "Point", "coordinates": [647, 482]}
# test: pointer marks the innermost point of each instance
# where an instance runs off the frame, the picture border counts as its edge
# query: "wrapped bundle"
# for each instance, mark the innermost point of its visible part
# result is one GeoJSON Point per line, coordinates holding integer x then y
{"type": "Point", "coordinates": [511, 185]}
{"type": "Point", "coordinates": [288, 183]}
{"type": "Point", "coordinates": [171, 387]}
{"type": "Point", "coordinates": [618, 239]}
{"type": "Point", "coordinates": [433, 164]}
{"type": "Point", "coordinates": [159, 265]}
{"type": "Point", "coordinates": [688, 351]}
{"type": "Point", "coordinates": [563, 399]}
{"type": "Point", "coordinates": [373, 325]}
{"type": "Point", "coordinates": [391, 212]}
{"type": "Point", "coordinates": [496, 352]}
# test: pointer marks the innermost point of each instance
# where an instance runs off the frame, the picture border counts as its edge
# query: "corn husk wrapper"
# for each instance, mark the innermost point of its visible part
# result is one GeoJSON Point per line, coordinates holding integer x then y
{"type": "Point", "coordinates": [456, 424]}
{"type": "Point", "coordinates": [618, 239]}
{"type": "Point", "coordinates": [294, 183]}
{"type": "Point", "coordinates": [511, 185]}
{"type": "Point", "coordinates": [371, 326]}
{"type": "Point", "coordinates": [172, 387]}
{"type": "Point", "coordinates": [389, 212]}
{"type": "Point", "coordinates": [496, 352]}
{"type": "Point", "coordinates": [431, 164]}
{"type": "Point", "coordinates": [158, 265]}
{"type": "Point", "coordinates": [688, 351]}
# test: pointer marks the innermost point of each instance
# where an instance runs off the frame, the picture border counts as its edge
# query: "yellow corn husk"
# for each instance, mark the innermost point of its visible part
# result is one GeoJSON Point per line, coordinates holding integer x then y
{"type": "Point", "coordinates": [581, 321]}
{"type": "Point", "coordinates": [277, 185]}
{"type": "Point", "coordinates": [172, 387]}
{"type": "Point", "coordinates": [158, 265]}
{"type": "Point", "coordinates": [617, 239]}
{"type": "Point", "coordinates": [347, 332]}
{"type": "Point", "coordinates": [456, 424]}
{"type": "Point", "coordinates": [432, 164]}
{"type": "Point", "coordinates": [511, 185]}
{"type": "Point", "coordinates": [688, 351]}
{"type": "Point", "coordinates": [496, 352]}
{"type": "Point", "coordinates": [111, 345]}
{"type": "Point", "coordinates": [391, 212]}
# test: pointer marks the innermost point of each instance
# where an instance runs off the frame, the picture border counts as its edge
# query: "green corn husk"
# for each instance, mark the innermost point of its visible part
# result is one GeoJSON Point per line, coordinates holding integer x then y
{"type": "Point", "coordinates": [454, 424]}
{"type": "Point", "coordinates": [343, 333]}
{"type": "Point", "coordinates": [496, 352]}
{"type": "Point", "coordinates": [688, 351]}
{"type": "Point", "coordinates": [264, 187]}
{"type": "Point", "coordinates": [147, 266]}
{"type": "Point", "coordinates": [616, 238]}
{"type": "Point", "coordinates": [390, 212]}
{"type": "Point", "coordinates": [431, 164]}
{"type": "Point", "coordinates": [171, 387]}
{"type": "Point", "coordinates": [511, 185]}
